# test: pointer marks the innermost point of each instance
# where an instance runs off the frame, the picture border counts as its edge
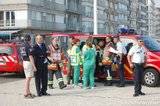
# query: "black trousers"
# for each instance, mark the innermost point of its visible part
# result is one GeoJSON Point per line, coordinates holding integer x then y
{"type": "Point", "coordinates": [138, 74]}
{"type": "Point", "coordinates": [57, 73]}
{"type": "Point", "coordinates": [121, 73]}
{"type": "Point", "coordinates": [108, 72]}
{"type": "Point", "coordinates": [41, 79]}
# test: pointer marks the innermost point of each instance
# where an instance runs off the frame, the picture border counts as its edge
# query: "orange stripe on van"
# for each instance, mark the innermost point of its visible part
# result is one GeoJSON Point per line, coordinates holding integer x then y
{"type": "Point", "coordinates": [128, 69]}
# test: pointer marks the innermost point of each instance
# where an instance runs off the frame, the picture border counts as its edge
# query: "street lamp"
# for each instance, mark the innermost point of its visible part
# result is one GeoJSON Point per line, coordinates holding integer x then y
{"type": "Point", "coordinates": [95, 17]}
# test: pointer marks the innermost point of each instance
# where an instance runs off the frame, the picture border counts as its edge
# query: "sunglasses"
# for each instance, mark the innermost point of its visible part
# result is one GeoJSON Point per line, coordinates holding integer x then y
{"type": "Point", "coordinates": [140, 41]}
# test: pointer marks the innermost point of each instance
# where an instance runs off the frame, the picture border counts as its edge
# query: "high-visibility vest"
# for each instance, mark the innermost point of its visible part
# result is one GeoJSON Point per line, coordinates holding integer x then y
{"type": "Point", "coordinates": [75, 57]}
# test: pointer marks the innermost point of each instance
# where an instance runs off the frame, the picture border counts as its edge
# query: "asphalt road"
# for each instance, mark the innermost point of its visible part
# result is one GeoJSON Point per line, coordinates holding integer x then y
{"type": "Point", "coordinates": [12, 87]}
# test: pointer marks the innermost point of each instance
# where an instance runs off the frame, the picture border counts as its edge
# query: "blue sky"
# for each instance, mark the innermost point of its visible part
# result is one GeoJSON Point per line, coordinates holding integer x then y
{"type": "Point", "coordinates": [157, 3]}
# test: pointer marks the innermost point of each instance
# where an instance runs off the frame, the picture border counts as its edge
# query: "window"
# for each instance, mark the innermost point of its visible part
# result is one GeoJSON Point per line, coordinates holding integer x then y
{"type": "Point", "coordinates": [5, 50]}
{"type": "Point", "coordinates": [59, 18]}
{"type": "Point", "coordinates": [7, 18]}
{"type": "Point", "coordinates": [1, 18]}
{"type": "Point", "coordinates": [1, 15]}
{"type": "Point", "coordinates": [151, 43]}
{"type": "Point", "coordinates": [12, 18]}
{"type": "Point", "coordinates": [33, 15]}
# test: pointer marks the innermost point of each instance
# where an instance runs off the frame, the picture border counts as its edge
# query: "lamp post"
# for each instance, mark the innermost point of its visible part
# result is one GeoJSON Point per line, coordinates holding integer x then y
{"type": "Point", "coordinates": [95, 17]}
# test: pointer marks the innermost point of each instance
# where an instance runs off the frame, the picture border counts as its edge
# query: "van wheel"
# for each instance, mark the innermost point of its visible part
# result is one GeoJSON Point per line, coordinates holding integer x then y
{"type": "Point", "coordinates": [151, 77]}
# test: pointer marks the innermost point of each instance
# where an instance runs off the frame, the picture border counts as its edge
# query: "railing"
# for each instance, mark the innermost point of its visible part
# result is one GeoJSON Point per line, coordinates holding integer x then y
{"type": "Point", "coordinates": [73, 26]}
{"type": "Point", "coordinates": [35, 24]}
{"type": "Point", "coordinates": [46, 25]}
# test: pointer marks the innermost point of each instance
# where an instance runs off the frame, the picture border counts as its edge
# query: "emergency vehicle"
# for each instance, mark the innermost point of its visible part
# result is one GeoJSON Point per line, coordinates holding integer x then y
{"type": "Point", "coordinates": [152, 68]}
{"type": "Point", "coordinates": [10, 60]}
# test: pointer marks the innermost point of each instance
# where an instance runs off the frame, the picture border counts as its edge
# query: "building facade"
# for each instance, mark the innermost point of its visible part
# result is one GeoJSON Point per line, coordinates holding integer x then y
{"type": "Point", "coordinates": [157, 13]}
{"type": "Point", "coordinates": [151, 17]}
{"type": "Point", "coordinates": [87, 16]}
{"type": "Point", "coordinates": [122, 13]}
{"type": "Point", "coordinates": [40, 16]}
{"type": "Point", "coordinates": [45, 16]}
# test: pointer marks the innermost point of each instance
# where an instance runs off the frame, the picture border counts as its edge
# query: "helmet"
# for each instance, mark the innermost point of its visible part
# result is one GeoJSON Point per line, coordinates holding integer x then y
{"type": "Point", "coordinates": [27, 38]}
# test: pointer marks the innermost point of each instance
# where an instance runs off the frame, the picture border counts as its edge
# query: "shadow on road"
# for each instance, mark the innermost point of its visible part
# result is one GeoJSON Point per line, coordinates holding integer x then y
{"type": "Point", "coordinates": [10, 77]}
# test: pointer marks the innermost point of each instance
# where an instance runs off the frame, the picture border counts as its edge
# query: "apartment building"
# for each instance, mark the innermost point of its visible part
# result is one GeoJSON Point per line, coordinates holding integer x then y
{"type": "Point", "coordinates": [151, 17]}
{"type": "Point", "coordinates": [40, 16]}
{"type": "Point", "coordinates": [157, 13]}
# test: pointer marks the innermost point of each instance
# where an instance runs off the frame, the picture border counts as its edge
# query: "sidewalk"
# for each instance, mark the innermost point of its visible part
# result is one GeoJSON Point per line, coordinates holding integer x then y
{"type": "Point", "coordinates": [11, 94]}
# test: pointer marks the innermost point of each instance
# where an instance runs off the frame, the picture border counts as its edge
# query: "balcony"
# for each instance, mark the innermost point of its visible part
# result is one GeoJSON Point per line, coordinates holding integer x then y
{"type": "Point", "coordinates": [88, 1]}
{"type": "Point", "coordinates": [126, 2]}
{"type": "Point", "coordinates": [73, 27]}
{"type": "Point", "coordinates": [14, 24]}
{"type": "Point", "coordinates": [75, 10]}
{"type": "Point", "coordinates": [102, 17]}
{"type": "Point", "coordinates": [102, 31]}
{"type": "Point", "coordinates": [122, 11]}
{"type": "Point", "coordinates": [43, 25]}
{"type": "Point", "coordinates": [87, 29]}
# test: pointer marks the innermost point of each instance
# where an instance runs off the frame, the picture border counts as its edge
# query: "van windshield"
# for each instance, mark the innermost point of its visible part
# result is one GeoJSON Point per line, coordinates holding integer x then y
{"type": "Point", "coordinates": [5, 50]}
{"type": "Point", "coordinates": [151, 43]}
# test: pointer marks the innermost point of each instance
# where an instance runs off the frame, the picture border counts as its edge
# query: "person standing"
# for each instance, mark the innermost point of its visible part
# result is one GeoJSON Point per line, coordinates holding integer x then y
{"type": "Point", "coordinates": [27, 65]}
{"type": "Point", "coordinates": [121, 52]}
{"type": "Point", "coordinates": [56, 57]}
{"type": "Point", "coordinates": [70, 68]}
{"type": "Point", "coordinates": [89, 57]}
{"type": "Point", "coordinates": [39, 57]}
{"type": "Point", "coordinates": [137, 59]}
{"type": "Point", "coordinates": [76, 61]}
{"type": "Point", "coordinates": [107, 61]}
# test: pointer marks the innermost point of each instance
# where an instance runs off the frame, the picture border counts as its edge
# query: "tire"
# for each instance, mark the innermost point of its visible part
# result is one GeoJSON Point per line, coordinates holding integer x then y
{"type": "Point", "coordinates": [151, 77]}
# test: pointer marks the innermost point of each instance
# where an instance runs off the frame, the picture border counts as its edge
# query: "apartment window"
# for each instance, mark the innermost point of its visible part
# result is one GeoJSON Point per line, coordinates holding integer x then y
{"type": "Point", "coordinates": [1, 18]}
{"type": "Point", "coordinates": [33, 15]}
{"type": "Point", "coordinates": [38, 17]}
{"type": "Point", "coordinates": [49, 18]}
{"type": "Point", "coordinates": [1, 15]}
{"type": "Point", "coordinates": [7, 18]}
{"type": "Point", "coordinates": [59, 18]}
{"type": "Point", "coordinates": [12, 18]}
{"type": "Point", "coordinates": [89, 11]}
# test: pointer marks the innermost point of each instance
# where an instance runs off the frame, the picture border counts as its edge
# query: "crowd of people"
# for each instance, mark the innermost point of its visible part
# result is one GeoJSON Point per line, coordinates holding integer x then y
{"type": "Point", "coordinates": [44, 62]}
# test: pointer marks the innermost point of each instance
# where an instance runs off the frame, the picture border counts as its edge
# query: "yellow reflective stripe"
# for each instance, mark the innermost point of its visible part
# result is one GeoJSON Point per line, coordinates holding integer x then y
{"type": "Point", "coordinates": [50, 82]}
{"type": "Point", "coordinates": [60, 79]}
{"type": "Point", "coordinates": [128, 69]}
{"type": "Point", "coordinates": [109, 78]}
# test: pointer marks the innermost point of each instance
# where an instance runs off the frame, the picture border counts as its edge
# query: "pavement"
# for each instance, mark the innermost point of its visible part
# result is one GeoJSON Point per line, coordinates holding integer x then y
{"type": "Point", "coordinates": [12, 88]}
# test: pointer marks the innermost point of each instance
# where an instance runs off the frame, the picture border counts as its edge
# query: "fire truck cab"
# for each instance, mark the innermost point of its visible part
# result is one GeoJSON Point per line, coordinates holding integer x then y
{"type": "Point", "coordinates": [10, 60]}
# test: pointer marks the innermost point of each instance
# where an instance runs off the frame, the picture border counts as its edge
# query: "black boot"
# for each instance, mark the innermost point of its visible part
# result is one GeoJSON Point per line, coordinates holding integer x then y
{"type": "Point", "coordinates": [50, 86]}
{"type": "Point", "coordinates": [109, 83]}
{"type": "Point", "coordinates": [62, 85]}
{"type": "Point", "coordinates": [105, 83]}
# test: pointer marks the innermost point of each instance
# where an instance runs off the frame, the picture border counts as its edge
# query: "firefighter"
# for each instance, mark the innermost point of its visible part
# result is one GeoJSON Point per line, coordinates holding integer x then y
{"type": "Point", "coordinates": [107, 61]}
{"type": "Point", "coordinates": [76, 61]}
{"type": "Point", "coordinates": [56, 56]}
{"type": "Point", "coordinates": [89, 57]}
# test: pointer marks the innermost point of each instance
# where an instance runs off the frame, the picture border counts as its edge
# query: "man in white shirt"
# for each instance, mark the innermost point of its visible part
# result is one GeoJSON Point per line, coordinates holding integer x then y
{"type": "Point", "coordinates": [137, 59]}
{"type": "Point", "coordinates": [121, 51]}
